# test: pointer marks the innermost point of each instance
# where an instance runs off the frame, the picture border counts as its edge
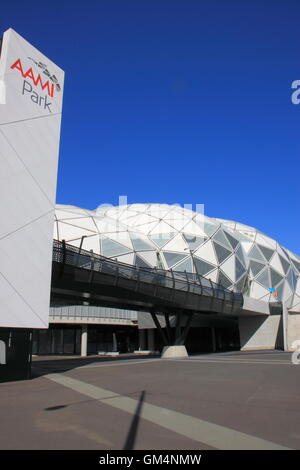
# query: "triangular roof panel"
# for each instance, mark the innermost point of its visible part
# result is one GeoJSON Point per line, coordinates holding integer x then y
{"type": "Point", "coordinates": [193, 241]}
{"type": "Point", "coordinates": [138, 261]}
{"type": "Point", "coordinates": [256, 267]}
{"type": "Point", "coordinates": [202, 267]}
{"type": "Point", "coordinates": [162, 239]}
{"type": "Point", "coordinates": [173, 258]}
{"type": "Point", "coordinates": [112, 248]}
{"type": "Point", "coordinates": [221, 252]}
{"type": "Point", "coordinates": [177, 244]}
{"type": "Point", "coordinates": [263, 279]}
{"type": "Point", "coordinates": [256, 254]}
{"type": "Point", "coordinates": [276, 264]}
{"type": "Point", "coordinates": [228, 267]}
{"type": "Point", "coordinates": [140, 242]}
{"type": "Point", "coordinates": [207, 253]}
{"type": "Point", "coordinates": [285, 263]}
{"type": "Point", "coordinates": [150, 257]}
{"type": "Point", "coordinates": [239, 269]}
{"type": "Point", "coordinates": [220, 238]}
{"type": "Point", "coordinates": [185, 265]}
{"type": "Point", "coordinates": [267, 252]}
{"type": "Point", "coordinates": [223, 280]}
{"type": "Point", "coordinates": [232, 240]}
{"type": "Point", "coordinates": [275, 277]}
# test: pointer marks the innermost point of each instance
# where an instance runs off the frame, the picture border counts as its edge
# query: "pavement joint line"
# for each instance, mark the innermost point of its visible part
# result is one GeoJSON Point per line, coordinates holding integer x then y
{"type": "Point", "coordinates": [218, 361]}
{"type": "Point", "coordinates": [241, 353]}
{"type": "Point", "coordinates": [91, 366]}
{"type": "Point", "coordinates": [118, 363]}
{"type": "Point", "coordinates": [205, 432]}
{"type": "Point", "coordinates": [243, 360]}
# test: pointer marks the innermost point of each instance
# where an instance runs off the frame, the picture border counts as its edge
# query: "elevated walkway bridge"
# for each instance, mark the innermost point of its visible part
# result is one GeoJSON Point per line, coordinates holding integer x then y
{"type": "Point", "coordinates": [86, 278]}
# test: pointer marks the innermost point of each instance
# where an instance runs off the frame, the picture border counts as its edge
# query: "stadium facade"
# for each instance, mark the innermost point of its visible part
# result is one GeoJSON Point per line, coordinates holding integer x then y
{"type": "Point", "coordinates": [233, 255]}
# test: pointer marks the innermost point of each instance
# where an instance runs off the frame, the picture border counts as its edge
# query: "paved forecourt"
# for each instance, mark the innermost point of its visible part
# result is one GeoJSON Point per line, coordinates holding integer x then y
{"type": "Point", "coordinates": [215, 401]}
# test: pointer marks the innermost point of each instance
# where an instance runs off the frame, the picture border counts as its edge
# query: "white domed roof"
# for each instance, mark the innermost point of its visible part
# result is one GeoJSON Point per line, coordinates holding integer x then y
{"type": "Point", "coordinates": [171, 237]}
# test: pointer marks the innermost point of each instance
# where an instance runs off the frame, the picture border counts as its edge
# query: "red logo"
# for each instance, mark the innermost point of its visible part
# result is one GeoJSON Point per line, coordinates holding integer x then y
{"type": "Point", "coordinates": [35, 79]}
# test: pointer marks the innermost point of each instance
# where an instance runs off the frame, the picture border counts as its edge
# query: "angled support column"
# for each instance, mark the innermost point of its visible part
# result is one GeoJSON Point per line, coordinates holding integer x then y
{"type": "Point", "coordinates": [180, 340]}
{"type": "Point", "coordinates": [168, 328]}
{"type": "Point", "coordinates": [159, 328]}
{"type": "Point", "coordinates": [177, 332]}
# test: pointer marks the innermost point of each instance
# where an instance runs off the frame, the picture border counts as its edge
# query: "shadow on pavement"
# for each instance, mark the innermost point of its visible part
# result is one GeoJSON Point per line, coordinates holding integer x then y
{"type": "Point", "coordinates": [42, 366]}
{"type": "Point", "coordinates": [132, 433]}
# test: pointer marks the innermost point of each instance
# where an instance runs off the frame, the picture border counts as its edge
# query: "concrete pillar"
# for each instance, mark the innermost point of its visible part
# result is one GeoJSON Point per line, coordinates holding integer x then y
{"type": "Point", "coordinates": [142, 340]}
{"type": "Point", "coordinates": [259, 332]}
{"type": "Point", "coordinates": [293, 331]}
{"type": "Point", "coordinates": [151, 342]}
{"type": "Point", "coordinates": [84, 340]}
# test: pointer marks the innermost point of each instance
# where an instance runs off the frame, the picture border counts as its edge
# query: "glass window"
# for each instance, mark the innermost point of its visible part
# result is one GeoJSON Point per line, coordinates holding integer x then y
{"type": "Point", "coordinates": [240, 285]}
{"type": "Point", "coordinates": [139, 244]}
{"type": "Point", "coordinates": [173, 258]}
{"type": "Point", "coordinates": [275, 277]}
{"type": "Point", "coordinates": [285, 264]}
{"type": "Point", "coordinates": [223, 280]}
{"type": "Point", "coordinates": [112, 248]}
{"type": "Point", "coordinates": [220, 238]}
{"type": "Point", "coordinates": [296, 264]}
{"type": "Point", "coordinates": [239, 268]}
{"type": "Point", "coordinates": [161, 239]}
{"type": "Point", "coordinates": [263, 279]}
{"type": "Point", "coordinates": [193, 241]}
{"type": "Point", "coordinates": [267, 252]}
{"type": "Point", "coordinates": [240, 254]}
{"type": "Point", "coordinates": [202, 267]}
{"type": "Point", "coordinates": [57, 341]}
{"type": "Point", "coordinates": [69, 340]}
{"type": "Point", "coordinates": [292, 280]}
{"type": "Point", "coordinates": [140, 262]}
{"type": "Point", "coordinates": [184, 266]}
{"type": "Point", "coordinates": [45, 341]}
{"type": "Point", "coordinates": [256, 267]}
{"type": "Point", "coordinates": [233, 242]}
{"type": "Point", "coordinates": [256, 254]}
{"type": "Point", "coordinates": [221, 252]}
{"type": "Point", "coordinates": [280, 289]}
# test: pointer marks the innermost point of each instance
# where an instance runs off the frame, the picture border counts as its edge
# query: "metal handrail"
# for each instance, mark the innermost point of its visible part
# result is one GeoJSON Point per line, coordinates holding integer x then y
{"type": "Point", "coordinates": [70, 255]}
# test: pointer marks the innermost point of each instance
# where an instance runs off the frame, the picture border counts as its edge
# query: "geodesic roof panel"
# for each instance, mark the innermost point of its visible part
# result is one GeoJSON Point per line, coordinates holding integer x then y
{"type": "Point", "coordinates": [238, 256]}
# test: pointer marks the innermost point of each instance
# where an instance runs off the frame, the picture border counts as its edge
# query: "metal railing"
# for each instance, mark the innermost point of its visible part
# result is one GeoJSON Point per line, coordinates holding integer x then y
{"type": "Point", "coordinates": [185, 290]}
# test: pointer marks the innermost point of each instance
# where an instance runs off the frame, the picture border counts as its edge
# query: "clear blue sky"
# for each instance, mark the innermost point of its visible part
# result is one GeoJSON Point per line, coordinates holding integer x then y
{"type": "Point", "coordinates": [176, 101]}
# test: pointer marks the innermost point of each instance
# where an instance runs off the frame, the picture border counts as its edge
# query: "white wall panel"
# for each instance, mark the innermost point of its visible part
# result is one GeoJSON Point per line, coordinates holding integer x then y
{"type": "Point", "coordinates": [30, 119]}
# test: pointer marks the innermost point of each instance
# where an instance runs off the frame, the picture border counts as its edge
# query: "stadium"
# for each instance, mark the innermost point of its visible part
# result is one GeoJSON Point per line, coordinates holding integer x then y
{"type": "Point", "coordinates": [227, 254]}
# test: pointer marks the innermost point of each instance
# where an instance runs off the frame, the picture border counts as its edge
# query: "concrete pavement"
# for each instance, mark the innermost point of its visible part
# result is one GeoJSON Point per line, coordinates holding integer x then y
{"type": "Point", "coordinates": [217, 401]}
